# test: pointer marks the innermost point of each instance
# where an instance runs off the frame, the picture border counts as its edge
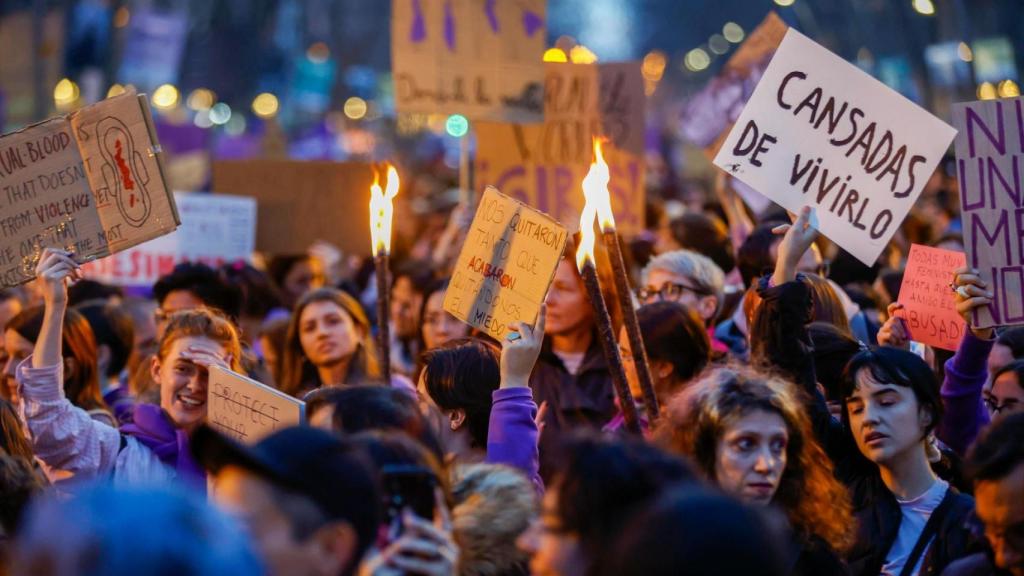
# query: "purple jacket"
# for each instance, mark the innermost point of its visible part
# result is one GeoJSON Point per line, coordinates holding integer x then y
{"type": "Point", "coordinates": [512, 433]}
{"type": "Point", "coordinates": [966, 373]}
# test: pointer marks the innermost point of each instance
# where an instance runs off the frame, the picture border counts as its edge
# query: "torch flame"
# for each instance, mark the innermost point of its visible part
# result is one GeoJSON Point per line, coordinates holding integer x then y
{"type": "Point", "coordinates": [381, 211]}
{"type": "Point", "coordinates": [598, 205]}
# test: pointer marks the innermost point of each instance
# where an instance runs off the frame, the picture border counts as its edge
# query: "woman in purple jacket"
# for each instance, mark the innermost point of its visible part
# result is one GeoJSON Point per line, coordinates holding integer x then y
{"type": "Point", "coordinates": [485, 396]}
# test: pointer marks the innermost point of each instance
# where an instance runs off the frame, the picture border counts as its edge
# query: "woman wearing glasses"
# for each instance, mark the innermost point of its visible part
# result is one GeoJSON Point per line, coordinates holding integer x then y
{"type": "Point", "coordinates": [690, 279]}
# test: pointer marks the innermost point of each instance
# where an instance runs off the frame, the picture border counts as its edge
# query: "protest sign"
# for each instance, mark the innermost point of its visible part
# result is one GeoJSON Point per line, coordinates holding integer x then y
{"type": "Point", "coordinates": [506, 265]}
{"type": "Point", "coordinates": [820, 132]}
{"type": "Point", "coordinates": [710, 113]}
{"type": "Point", "coordinates": [247, 410]}
{"type": "Point", "coordinates": [215, 229]}
{"type": "Point", "coordinates": [989, 149]}
{"type": "Point", "coordinates": [479, 59]}
{"type": "Point", "coordinates": [929, 306]}
{"type": "Point", "coordinates": [543, 165]}
{"type": "Point", "coordinates": [90, 183]}
{"type": "Point", "coordinates": [302, 202]}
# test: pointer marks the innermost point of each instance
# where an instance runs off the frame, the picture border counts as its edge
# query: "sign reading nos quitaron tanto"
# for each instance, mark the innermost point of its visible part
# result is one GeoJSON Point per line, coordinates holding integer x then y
{"type": "Point", "coordinates": [506, 265]}
{"type": "Point", "coordinates": [90, 183]}
{"type": "Point", "coordinates": [819, 132]}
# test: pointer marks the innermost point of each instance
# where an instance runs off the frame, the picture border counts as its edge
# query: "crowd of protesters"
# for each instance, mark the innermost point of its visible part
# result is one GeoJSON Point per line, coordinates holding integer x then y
{"type": "Point", "coordinates": [801, 429]}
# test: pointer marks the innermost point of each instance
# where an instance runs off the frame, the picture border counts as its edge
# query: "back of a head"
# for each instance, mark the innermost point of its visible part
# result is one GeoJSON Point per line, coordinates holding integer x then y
{"type": "Point", "coordinates": [754, 256]}
{"type": "Point", "coordinates": [706, 235]}
{"type": "Point", "coordinates": [833, 349]}
{"type": "Point", "coordinates": [364, 408]}
{"type": "Point", "coordinates": [204, 283]}
{"type": "Point", "coordinates": [462, 374]}
{"type": "Point", "coordinates": [112, 327]}
{"type": "Point", "coordinates": [697, 532]}
{"type": "Point", "coordinates": [259, 295]}
{"type": "Point", "coordinates": [604, 480]}
{"type": "Point", "coordinates": [129, 531]}
{"type": "Point", "coordinates": [19, 484]}
{"type": "Point", "coordinates": [999, 450]}
{"type": "Point", "coordinates": [91, 291]}
{"type": "Point", "coordinates": [494, 505]}
{"type": "Point", "coordinates": [675, 334]}
{"type": "Point", "coordinates": [1013, 338]}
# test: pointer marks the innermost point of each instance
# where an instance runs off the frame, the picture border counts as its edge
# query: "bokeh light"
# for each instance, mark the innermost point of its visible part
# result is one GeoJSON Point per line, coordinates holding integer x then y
{"type": "Point", "coordinates": [265, 105]}
{"type": "Point", "coordinates": [697, 60]}
{"type": "Point", "coordinates": [201, 99]}
{"type": "Point", "coordinates": [733, 32]}
{"type": "Point", "coordinates": [555, 55]}
{"type": "Point", "coordinates": [354, 108]}
{"type": "Point", "coordinates": [457, 125]}
{"type": "Point", "coordinates": [165, 97]}
{"type": "Point", "coordinates": [65, 93]}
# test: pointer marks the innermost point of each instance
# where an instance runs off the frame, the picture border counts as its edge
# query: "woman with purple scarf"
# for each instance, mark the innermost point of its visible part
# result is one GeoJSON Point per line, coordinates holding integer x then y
{"type": "Point", "coordinates": [155, 445]}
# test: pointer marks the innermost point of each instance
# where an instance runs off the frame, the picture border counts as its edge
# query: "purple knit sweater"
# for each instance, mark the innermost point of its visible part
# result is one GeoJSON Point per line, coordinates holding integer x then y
{"type": "Point", "coordinates": [512, 433]}
{"type": "Point", "coordinates": [966, 373]}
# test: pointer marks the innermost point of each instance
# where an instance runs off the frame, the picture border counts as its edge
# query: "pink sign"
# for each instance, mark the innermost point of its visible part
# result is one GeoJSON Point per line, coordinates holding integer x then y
{"type": "Point", "coordinates": [929, 311]}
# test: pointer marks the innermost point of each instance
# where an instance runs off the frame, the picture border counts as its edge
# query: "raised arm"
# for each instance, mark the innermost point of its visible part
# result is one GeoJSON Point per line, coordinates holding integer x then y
{"type": "Point", "coordinates": [967, 370]}
{"type": "Point", "coordinates": [512, 431]}
{"type": "Point", "coordinates": [63, 435]}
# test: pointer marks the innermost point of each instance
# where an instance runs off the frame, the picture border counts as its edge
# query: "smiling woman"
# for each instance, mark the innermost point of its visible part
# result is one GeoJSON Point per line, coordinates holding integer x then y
{"type": "Point", "coordinates": [155, 446]}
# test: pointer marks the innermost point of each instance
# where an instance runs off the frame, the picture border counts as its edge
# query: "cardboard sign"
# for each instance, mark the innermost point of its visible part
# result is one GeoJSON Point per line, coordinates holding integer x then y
{"type": "Point", "coordinates": [605, 99]}
{"type": "Point", "coordinates": [929, 305]}
{"type": "Point", "coordinates": [246, 410]}
{"type": "Point", "coordinates": [506, 265]}
{"type": "Point", "coordinates": [820, 132]}
{"type": "Point", "coordinates": [215, 229]}
{"type": "Point", "coordinates": [710, 113]}
{"type": "Point", "coordinates": [302, 202]}
{"type": "Point", "coordinates": [90, 183]}
{"type": "Point", "coordinates": [989, 152]}
{"type": "Point", "coordinates": [479, 59]}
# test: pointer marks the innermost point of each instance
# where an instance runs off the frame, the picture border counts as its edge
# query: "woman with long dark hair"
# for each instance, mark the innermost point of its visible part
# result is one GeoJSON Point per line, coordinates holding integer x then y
{"type": "Point", "coordinates": [748, 433]}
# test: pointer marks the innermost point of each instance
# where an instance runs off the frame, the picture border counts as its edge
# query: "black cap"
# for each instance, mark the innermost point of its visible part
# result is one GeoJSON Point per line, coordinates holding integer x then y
{"type": "Point", "coordinates": [335, 474]}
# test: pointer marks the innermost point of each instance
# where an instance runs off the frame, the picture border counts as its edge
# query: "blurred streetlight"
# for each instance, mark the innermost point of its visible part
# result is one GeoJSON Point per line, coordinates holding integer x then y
{"type": "Point", "coordinates": [115, 90]}
{"type": "Point", "coordinates": [220, 114]}
{"type": "Point", "coordinates": [924, 7]}
{"type": "Point", "coordinates": [718, 44]}
{"type": "Point", "coordinates": [201, 99]}
{"type": "Point", "coordinates": [697, 60]}
{"type": "Point", "coordinates": [1008, 89]}
{"type": "Point", "coordinates": [784, 2]}
{"type": "Point", "coordinates": [165, 97]}
{"type": "Point", "coordinates": [65, 93]}
{"type": "Point", "coordinates": [580, 54]}
{"type": "Point", "coordinates": [555, 55]}
{"type": "Point", "coordinates": [986, 91]}
{"type": "Point", "coordinates": [265, 105]}
{"type": "Point", "coordinates": [965, 52]}
{"type": "Point", "coordinates": [318, 52]}
{"type": "Point", "coordinates": [354, 108]}
{"type": "Point", "coordinates": [733, 32]}
{"type": "Point", "coordinates": [457, 125]}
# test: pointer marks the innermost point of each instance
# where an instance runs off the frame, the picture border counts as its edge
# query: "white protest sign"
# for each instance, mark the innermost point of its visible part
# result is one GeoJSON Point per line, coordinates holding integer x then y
{"type": "Point", "coordinates": [818, 131]}
{"type": "Point", "coordinates": [479, 59]}
{"type": "Point", "coordinates": [246, 410]}
{"type": "Point", "coordinates": [506, 265]}
{"type": "Point", "coordinates": [215, 229]}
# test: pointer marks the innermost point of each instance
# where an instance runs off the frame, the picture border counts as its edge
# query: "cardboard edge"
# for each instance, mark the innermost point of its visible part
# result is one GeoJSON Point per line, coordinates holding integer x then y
{"type": "Point", "coordinates": [158, 154]}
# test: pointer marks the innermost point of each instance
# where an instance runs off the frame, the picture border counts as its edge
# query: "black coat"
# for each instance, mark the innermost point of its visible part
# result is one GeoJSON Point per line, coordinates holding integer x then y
{"type": "Point", "coordinates": [787, 347]}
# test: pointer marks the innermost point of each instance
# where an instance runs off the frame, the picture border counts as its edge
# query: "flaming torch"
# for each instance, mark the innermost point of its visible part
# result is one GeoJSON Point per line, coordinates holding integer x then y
{"type": "Point", "coordinates": [381, 211]}
{"type": "Point", "coordinates": [595, 188]}
{"type": "Point", "coordinates": [598, 206]}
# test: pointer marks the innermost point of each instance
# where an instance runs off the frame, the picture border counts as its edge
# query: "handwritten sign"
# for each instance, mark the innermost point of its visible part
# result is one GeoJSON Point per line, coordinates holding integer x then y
{"type": "Point", "coordinates": [989, 152]}
{"type": "Point", "coordinates": [506, 265]}
{"type": "Point", "coordinates": [246, 410]}
{"type": "Point", "coordinates": [710, 113]}
{"type": "Point", "coordinates": [215, 229]}
{"type": "Point", "coordinates": [479, 59]}
{"type": "Point", "coordinates": [818, 131]}
{"type": "Point", "coordinates": [302, 202]}
{"type": "Point", "coordinates": [543, 165]}
{"type": "Point", "coordinates": [929, 306]}
{"type": "Point", "coordinates": [90, 183]}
